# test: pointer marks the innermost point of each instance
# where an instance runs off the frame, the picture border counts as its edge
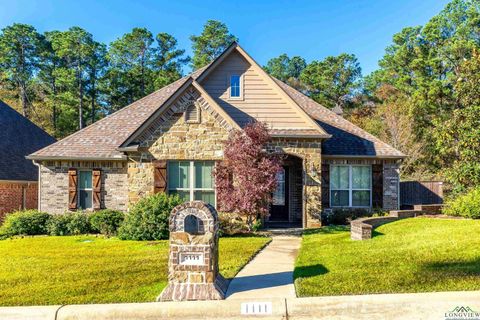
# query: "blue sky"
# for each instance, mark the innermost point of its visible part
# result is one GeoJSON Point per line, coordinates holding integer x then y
{"type": "Point", "coordinates": [311, 29]}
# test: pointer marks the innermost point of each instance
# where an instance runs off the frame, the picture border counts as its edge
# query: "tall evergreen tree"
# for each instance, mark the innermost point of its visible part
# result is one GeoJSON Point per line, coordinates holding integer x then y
{"type": "Point", "coordinates": [19, 57]}
{"type": "Point", "coordinates": [76, 47]}
{"type": "Point", "coordinates": [213, 40]}
{"type": "Point", "coordinates": [333, 80]}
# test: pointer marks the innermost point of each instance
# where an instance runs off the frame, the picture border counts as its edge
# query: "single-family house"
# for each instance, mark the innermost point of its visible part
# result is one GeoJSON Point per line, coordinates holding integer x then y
{"type": "Point", "coordinates": [170, 140]}
{"type": "Point", "coordinates": [18, 176]}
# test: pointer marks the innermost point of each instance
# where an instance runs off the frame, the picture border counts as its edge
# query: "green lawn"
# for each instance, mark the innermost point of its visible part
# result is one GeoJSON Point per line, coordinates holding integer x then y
{"type": "Point", "coordinates": [89, 269]}
{"type": "Point", "coordinates": [411, 255]}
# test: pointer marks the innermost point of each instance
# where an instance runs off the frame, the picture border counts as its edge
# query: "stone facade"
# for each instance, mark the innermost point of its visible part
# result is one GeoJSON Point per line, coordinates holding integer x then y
{"type": "Point", "coordinates": [310, 151]}
{"type": "Point", "coordinates": [54, 184]}
{"type": "Point", "coordinates": [171, 137]}
{"type": "Point", "coordinates": [17, 195]}
{"type": "Point", "coordinates": [391, 186]}
{"type": "Point", "coordinates": [193, 272]}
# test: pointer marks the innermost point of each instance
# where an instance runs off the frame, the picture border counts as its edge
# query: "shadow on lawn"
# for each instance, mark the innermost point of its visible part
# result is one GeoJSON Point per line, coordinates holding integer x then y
{"type": "Point", "coordinates": [309, 271]}
{"type": "Point", "coordinates": [376, 233]}
{"type": "Point", "coordinates": [456, 269]}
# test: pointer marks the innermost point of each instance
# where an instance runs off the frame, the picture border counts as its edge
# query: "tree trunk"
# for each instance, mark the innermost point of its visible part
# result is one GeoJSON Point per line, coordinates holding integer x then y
{"type": "Point", "coordinates": [23, 97]}
{"type": "Point", "coordinates": [54, 107]}
{"type": "Point", "coordinates": [80, 92]}
{"type": "Point", "coordinates": [93, 101]}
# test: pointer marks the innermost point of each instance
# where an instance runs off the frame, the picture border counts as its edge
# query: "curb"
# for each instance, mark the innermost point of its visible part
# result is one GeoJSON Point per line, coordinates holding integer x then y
{"type": "Point", "coordinates": [378, 306]}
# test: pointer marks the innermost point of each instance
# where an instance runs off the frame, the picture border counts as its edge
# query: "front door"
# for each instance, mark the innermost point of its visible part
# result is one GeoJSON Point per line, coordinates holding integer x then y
{"type": "Point", "coordinates": [279, 207]}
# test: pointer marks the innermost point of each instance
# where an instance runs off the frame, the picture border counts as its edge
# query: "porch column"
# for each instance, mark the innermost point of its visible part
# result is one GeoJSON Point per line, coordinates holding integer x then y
{"type": "Point", "coordinates": [312, 193]}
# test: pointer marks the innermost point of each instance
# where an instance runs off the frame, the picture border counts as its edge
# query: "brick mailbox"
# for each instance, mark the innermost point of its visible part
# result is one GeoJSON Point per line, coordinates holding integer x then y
{"type": "Point", "coordinates": [193, 258]}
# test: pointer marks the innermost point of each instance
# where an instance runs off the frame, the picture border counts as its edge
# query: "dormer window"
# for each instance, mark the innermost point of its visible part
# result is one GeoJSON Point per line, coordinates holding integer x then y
{"type": "Point", "coordinates": [192, 113]}
{"type": "Point", "coordinates": [236, 86]}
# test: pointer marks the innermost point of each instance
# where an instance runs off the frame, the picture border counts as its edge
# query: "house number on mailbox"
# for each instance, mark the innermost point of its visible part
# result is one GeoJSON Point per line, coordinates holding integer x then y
{"type": "Point", "coordinates": [191, 259]}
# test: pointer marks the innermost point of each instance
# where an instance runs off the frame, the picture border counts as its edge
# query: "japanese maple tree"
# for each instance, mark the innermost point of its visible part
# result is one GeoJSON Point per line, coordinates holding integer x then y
{"type": "Point", "coordinates": [246, 178]}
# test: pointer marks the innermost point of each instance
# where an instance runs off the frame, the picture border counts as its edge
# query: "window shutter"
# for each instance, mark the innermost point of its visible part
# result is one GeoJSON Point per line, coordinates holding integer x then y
{"type": "Point", "coordinates": [325, 186]}
{"type": "Point", "coordinates": [72, 189]}
{"type": "Point", "coordinates": [97, 189]}
{"type": "Point", "coordinates": [159, 176]}
{"type": "Point", "coordinates": [377, 185]}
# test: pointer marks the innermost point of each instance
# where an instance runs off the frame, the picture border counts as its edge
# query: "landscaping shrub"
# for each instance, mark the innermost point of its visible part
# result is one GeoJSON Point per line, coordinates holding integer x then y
{"type": "Point", "coordinates": [231, 223]}
{"type": "Point", "coordinates": [341, 216]}
{"type": "Point", "coordinates": [148, 219]}
{"type": "Point", "coordinates": [58, 225]}
{"type": "Point", "coordinates": [69, 223]}
{"type": "Point", "coordinates": [466, 205]}
{"type": "Point", "coordinates": [27, 222]}
{"type": "Point", "coordinates": [106, 221]}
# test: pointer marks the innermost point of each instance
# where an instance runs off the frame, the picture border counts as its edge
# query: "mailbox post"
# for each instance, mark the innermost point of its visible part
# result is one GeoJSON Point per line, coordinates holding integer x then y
{"type": "Point", "coordinates": [193, 258]}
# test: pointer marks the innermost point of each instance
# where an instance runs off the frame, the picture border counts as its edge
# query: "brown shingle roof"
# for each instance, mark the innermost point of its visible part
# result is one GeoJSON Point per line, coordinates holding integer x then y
{"type": "Point", "coordinates": [347, 139]}
{"type": "Point", "coordinates": [101, 139]}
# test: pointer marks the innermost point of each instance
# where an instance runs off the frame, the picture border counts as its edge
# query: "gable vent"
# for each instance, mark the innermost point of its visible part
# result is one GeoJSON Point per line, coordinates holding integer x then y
{"type": "Point", "coordinates": [192, 113]}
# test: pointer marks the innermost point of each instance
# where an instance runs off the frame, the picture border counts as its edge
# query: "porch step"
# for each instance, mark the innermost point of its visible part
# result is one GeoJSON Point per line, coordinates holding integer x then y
{"type": "Point", "coordinates": [283, 228]}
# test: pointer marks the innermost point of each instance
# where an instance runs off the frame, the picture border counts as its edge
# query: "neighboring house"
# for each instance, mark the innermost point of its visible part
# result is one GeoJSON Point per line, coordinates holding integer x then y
{"type": "Point", "coordinates": [169, 141]}
{"type": "Point", "coordinates": [18, 176]}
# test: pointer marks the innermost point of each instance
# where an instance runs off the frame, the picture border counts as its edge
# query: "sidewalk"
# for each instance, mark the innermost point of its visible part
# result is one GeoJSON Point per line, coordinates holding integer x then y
{"type": "Point", "coordinates": [270, 273]}
{"type": "Point", "coordinates": [439, 305]}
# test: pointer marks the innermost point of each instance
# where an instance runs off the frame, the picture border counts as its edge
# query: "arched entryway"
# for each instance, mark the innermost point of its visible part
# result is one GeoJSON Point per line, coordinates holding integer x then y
{"type": "Point", "coordinates": [286, 209]}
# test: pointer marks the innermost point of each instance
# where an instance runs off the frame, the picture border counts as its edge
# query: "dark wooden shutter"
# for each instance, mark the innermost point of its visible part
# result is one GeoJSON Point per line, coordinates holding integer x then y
{"type": "Point", "coordinates": [325, 186]}
{"type": "Point", "coordinates": [72, 189]}
{"type": "Point", "coordinates": [97, 189]}
{"type": "Point", "coordinates": [159, 176]}
{"type": "Point", "coordinates": [377, 187]}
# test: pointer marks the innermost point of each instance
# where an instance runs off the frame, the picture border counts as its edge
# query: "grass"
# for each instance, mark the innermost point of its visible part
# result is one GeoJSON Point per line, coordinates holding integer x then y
{"type": "Point", "coordinates": [411, 255]}
{"type": "Point", "coordinates": [90, 269]}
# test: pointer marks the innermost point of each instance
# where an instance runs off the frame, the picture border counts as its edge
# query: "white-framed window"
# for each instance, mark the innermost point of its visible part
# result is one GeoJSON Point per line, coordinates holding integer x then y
{"type": "Point", "coordinates": [351, 186]}
{"type": "Point", "coordinates": [192, 180]}
{"type": "Point", "coordinates": [236, 88]}
{"type": "Point", "coordinates": [85, 190]}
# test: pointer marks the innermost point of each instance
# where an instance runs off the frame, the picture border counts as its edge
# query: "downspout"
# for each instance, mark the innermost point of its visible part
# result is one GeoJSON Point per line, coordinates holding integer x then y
{"type": "Point", "coordinates": [39, 200]}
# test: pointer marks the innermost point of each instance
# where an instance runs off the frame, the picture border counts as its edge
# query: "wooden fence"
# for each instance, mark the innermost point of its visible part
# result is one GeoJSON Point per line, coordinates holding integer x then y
{"type": "Point", "coordinates": [420, 192]}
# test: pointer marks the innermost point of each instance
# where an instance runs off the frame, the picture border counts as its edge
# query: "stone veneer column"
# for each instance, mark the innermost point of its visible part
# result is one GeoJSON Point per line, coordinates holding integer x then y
{"type": "Point", "coordinates": [311, 154]}
{"type": "Point", "coordinates": [391, 180]}
{"type": "Point", "coordinates": [312, 190]}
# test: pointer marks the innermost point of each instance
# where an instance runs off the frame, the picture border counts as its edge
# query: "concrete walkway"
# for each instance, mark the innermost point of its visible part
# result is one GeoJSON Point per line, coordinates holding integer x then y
{"type": "Point", "coordinates": [270, 273]}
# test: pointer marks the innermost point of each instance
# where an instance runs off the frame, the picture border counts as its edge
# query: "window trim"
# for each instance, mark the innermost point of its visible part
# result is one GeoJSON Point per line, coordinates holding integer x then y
{"type": "Point", "coordinates": [88, 189]}
{"type": "Point", "coordinates": [240, 82]}
{"type": "Point", "coordinates": [350, 185]}
{"type": "Point", "coordinates": [191, 184]}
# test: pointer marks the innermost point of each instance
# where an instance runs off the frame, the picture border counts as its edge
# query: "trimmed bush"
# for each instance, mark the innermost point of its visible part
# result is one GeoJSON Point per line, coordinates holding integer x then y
{"type": "Point", "coordinates": [27, 222]}
{"type": "Point", "coordinates": [466, 205]}
{"type": "Point", "coordinates": [69, 223]}
{"type": "Point", "coordinates": [148, 219]}
{"type": "Point", "coordinates": [343, 216]}
{"type": "Point", "coordinates": [58, 225]}
{"type": "Point", "coordinates": [106, 221]}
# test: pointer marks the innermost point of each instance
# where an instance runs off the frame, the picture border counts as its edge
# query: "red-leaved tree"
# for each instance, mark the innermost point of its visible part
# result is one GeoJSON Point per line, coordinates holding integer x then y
{"type": "Point", "coordinates": [246, 178]}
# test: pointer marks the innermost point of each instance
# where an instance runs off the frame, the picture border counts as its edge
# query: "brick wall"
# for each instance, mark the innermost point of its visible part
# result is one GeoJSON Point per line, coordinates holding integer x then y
{"type": "Point", "coordinates": [54, 184]}
{"type": "Point", "coordinates": [16, 196]}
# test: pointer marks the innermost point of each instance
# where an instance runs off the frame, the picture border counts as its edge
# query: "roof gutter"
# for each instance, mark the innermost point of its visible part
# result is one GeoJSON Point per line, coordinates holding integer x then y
{"type": "Point", "coordinates": [133, 148]}
{"type": "Point", "coordinates": [34, 157]}
{"type": "Point", "coordinates": [363, 157]}
{"type": "Point", "coordinates": [303, 136]}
